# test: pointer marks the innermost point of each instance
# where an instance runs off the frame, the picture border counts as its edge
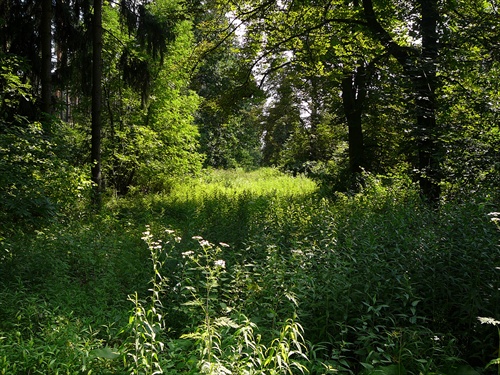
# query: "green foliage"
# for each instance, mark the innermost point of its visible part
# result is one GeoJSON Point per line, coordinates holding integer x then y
{"type": "Point", "coordinates": [232, 100]}
{"type": "Point", "coordinates": [150, 139]}
{"type": "Point", "coordinates": [48, 339]}
{"type": "Point", "coordinates": [36, 178]}
{"type": "Point", "coordinates": [224, 341]}
{"type": "Point", "coordinates": [472, 142]}
{"type": "Point", "coordinates": [170, 141]}
{"type": "Point", "coordinates": [12, 87]}
{"type": "Point", "coordinates": [492, 322]}
{"type": "Point", "coordinates": [281, 281]}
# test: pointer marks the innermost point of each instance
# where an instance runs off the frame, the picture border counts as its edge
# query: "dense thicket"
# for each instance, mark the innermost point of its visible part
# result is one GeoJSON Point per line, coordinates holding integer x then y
{"type": "Point", "coordinates": [132, 124]}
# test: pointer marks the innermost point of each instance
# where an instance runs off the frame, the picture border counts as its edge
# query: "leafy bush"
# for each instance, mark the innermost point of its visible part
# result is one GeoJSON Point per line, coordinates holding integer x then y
{"type": "Point", "coordinates": [36, 182]}
{"type": "Point", "coordinates": [37, 176]}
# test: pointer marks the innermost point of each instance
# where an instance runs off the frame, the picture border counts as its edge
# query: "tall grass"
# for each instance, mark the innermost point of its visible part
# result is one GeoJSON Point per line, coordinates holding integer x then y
{"type": "Point", "coordinates": [258, 274]}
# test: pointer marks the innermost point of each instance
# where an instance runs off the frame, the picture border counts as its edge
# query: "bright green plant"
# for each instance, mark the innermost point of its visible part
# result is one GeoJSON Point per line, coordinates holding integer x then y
{"type": "Point", "coordinates": [206, 271]}
{"type": "Point", "coordinates": [147, 323]}
{"type": "Point", "coordinates": [224, 340]}
{"type": "Point", "coordinates": [12, 88]}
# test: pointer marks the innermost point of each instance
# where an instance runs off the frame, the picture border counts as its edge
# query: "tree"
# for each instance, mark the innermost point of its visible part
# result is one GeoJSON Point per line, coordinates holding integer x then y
{"type": "Point", "coordinates": [468, 93]}
{"type": "Point", "coordinates": [149, 139]}
{"type": "Point", "coordinates": [420, 66]}
{"type": "Point", "coordinates": [46, 47]}
{"type": "Point", "coordinates": [282, 121]}
{"type": "Point", "coordinates": [95, 154]}
{"type": "Point", "coordinates": [112, 127]}
{"type": "Point", "coordinates": [354, 91]}
{"type": "Point", "coordinates": [227, 117]}
{"type": "Point", "coordinates": [292, 25]}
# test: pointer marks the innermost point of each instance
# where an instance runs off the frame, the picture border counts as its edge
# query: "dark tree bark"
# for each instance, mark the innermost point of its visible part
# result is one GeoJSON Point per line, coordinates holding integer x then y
{"type": "Point", "coordinates": [420, 67]}
{"type": "Point", "coordinates": [354, 95]}
{"type": "Point", "coordinates": [96, 101]}
{"type": "Point", "coordinates": [314, 152]}
{"type": "Point", "coordinates": [353, 98]}
{"type": "Point", "coordinates": [46, 47]}
{"type": "Point", "coordinates": [425, 85]}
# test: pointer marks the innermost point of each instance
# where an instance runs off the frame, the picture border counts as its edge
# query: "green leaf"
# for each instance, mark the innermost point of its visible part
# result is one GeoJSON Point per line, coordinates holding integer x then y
{"type": "Point", "coordinates": [495, 361]}
{"type": "Point", "coordinates": [106, 352]}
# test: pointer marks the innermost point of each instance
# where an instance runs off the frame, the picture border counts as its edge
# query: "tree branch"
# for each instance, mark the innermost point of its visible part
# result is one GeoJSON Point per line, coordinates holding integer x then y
{"type": "Point", "coordinates": [400, 53]}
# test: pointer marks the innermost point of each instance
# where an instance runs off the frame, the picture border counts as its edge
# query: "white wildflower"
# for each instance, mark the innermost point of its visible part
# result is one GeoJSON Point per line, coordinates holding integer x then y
{"type": "Point", "coordinates": [495, 216]}
{"type": "Point", "coordinates": [488, 321]}
{"type": "Point", "coordinates": [220, 263]}
{"type": "Point", "coordinates": [146, 235]}
{"type": "Point", "coordinates": [187, 254]}
{"type": "Point", "coordinates": [204, 243]}
{"type": "Point", "coordinates": [223, 244]}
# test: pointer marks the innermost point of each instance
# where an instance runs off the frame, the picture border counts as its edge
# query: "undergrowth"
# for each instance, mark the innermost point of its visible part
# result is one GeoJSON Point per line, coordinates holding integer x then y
{"type": "Point", "coordinates": [255, 273]}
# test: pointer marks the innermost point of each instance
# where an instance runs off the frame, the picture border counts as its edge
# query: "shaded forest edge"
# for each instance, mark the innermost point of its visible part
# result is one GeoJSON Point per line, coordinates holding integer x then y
{"type": "Point", "coordinates": [255, 272]}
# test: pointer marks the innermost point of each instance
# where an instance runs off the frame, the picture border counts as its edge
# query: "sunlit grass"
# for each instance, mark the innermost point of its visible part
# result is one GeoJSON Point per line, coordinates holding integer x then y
{"type": "Point", "coordinates": [265, 181]}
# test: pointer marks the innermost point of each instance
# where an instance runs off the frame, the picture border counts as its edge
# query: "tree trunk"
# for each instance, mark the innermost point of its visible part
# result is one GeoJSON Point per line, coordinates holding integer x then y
{"type": "Point", "coordinates": [96, 101]}
{"type": "Point", "coordinates": [425, 85]}
{"type": "Point", "coordinates": [314, 152]}
{"type": "Point", "coordinates": [353, 97]}
{"type": "Point", "coordinates": [46, 47]}
{"type": "Point", "coordinates": [421, 69]}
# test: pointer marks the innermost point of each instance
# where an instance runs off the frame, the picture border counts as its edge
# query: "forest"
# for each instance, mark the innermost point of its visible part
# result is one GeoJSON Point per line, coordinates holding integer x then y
{"type": "Point", "coordinates": [250, 187]}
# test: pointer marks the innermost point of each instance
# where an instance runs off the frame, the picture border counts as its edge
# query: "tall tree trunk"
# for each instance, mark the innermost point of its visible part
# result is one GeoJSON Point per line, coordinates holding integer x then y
{"type": "Point", "coordinates": [46, 47]}
{"type": "Point", "coordinates": [353, 98]}
{"type": "Point", "coordinates": [96, 101]}
{"type": "Point", "coordinates": [314, 120]}
{"type": "Point", "coordinates": [421, 69]}
{"type": "Point", "coordinates": [425, 84]}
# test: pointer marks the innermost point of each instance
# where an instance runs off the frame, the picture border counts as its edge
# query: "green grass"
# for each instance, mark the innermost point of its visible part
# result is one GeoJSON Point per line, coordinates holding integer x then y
{"type": "Point", "coordinates": [374, 283]}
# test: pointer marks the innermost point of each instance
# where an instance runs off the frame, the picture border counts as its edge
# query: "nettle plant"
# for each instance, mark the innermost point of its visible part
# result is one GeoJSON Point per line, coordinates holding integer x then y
{"type": "Point", "coordinates": [219, 339]}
